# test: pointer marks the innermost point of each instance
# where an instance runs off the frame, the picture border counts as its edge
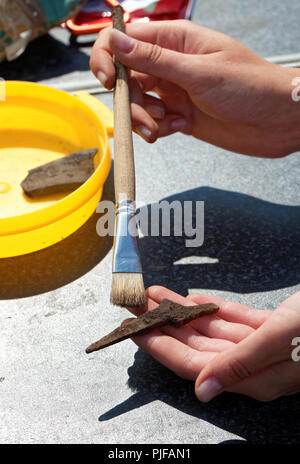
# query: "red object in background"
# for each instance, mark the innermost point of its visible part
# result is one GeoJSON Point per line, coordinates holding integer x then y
{"type": "Point", "coordinates": [167, 9]}
{"type": "Point", "coordinates": [90, 21]}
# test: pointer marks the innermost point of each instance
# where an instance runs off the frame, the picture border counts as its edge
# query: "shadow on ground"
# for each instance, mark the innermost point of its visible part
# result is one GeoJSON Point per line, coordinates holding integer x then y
{"type": "Point", "coordinates": [45, 58]}
{"type": "Point", "coordinates": [59, 264]}
{"type": "Point", "coordinates": [255, 422]}
{"type": "Point", "coordinates": [255, 246]}
{"type": "Point", "coordinates": [250, 245]}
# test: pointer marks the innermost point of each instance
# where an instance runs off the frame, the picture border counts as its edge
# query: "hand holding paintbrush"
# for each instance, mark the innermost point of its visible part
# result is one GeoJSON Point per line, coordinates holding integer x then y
{"type": "Point", "coordinates": [127, 279]}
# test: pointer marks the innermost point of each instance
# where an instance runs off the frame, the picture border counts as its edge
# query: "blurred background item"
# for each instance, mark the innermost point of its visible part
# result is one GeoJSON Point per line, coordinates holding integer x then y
{"type": "Point", "coordinates": [96, 14]}
{"type": "Point", "coordinates": [23, 20]}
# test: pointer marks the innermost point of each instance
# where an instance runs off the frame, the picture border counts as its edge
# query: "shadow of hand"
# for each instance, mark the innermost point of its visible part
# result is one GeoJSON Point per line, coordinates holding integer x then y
{"type": "Point", "coordinates": [250, 245]}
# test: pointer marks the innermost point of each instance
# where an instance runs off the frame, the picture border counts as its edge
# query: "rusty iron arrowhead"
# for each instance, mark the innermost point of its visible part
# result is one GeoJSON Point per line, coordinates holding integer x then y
{"type": "Point", "coordinates": [167, 313]}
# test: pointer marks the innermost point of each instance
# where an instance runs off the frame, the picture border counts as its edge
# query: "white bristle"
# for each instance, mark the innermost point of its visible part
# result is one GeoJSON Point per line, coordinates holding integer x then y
{"type": "Point", "coordinates": [127, 289]}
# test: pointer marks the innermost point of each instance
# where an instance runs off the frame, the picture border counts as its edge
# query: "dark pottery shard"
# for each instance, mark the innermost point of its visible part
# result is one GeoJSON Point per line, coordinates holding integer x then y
{"type": "Point", "coordinates": [63, 175]}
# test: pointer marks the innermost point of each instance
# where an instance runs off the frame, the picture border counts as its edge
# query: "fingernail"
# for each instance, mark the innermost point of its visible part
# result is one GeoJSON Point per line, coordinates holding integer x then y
{"type": "Point", "coordinates": [102, 77]}
{"type": "Point", "coordinates": [155, 111]}
{"type": "Point", "coordinates": [178, 124]}
{"type": "Point", "coordinates": [208, 389]}
{"type": "Point", "coordinates": [126, 321]}
{"type": "Point", "coordinates": [144, 132]}
{"type": "Point", "coordinates": [122, 41]}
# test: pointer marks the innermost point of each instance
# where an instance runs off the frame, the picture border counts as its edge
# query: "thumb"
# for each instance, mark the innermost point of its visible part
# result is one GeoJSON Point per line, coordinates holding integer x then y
{"type": "Point", "coordinates": [264, 347]}
{"type": "Point", "coordinates": [151, 58]}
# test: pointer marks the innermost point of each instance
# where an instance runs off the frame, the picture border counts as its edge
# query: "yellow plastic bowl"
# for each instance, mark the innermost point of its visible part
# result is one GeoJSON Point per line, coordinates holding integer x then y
{"type": "Point", "coordinates": [37, 125]}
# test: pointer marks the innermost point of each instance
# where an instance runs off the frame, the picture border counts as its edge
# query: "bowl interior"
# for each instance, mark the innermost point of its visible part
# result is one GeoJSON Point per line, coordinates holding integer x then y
{"type": "Point", "coordinates": [37, 128]}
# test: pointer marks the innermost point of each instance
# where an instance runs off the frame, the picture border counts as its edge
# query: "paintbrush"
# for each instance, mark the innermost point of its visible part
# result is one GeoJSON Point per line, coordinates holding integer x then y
{"type": "Point", "coordinates": [127, 279]}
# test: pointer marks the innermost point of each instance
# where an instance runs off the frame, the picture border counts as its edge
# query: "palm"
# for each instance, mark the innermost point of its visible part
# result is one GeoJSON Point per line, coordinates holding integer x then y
{"type": "Point", "coordinates": [187, 350]}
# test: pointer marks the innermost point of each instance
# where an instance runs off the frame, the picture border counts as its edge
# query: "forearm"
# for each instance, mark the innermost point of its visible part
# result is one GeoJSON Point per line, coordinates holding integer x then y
{"type": "Point", "coordinates": [291, 114]}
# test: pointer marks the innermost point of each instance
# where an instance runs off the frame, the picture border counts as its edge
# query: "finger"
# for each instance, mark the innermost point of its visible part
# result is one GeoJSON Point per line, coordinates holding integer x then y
{"type": "Point", "coordinates": [210, 326]}
{"type": "Point", "coordinates": [278, 380]}
{"type": "Point", "coordinates": [214, 327]}
{"type": "Point", "coordinates": [170, 124]}
{"type": "Point", "coordinates": [170, 34]}
{"type": "Point", "coordinates": [182, 35]}
{"type": "Point", "coordinates": [188, 335]}
{"type": "Point", "coordinates": [167, 34]}
{"type": "Point", "coordinates": [146, 81]}
{"type": "Point", "coordinates": [151, 129]}
{"type": "Point", "coordinates": [149, 119]}
{"type": "Point", "coordinates": [136, 93]}
{"type": "Point", "coordinates": [142, 122]}
{"type": "Point", "coordinates": [234, 312]}
{"type": "Point", "coordinates": [148, 306]}
{"type": "Point", "coordinates": [191, 337]}
{"type": "Point", "coordinates": [148, 115]}
{"type": "Point", "coordinates": [175, 355]}
{"type": "Point", "coordinates": [163, 87]}
{"type": "Point", "coordinates": [154, 59]}
{"type": "Point", "coordinates": [101, 61]}
{"type": "Point", "coordinates": [154, 106]}
{"type": "Point", "coordinates": [127, 320]}
{"type": "Point", "coordinates": [266, 346]}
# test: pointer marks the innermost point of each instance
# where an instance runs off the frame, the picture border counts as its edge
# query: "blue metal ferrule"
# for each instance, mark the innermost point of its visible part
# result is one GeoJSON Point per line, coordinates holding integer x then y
{"type": "Point", "coordinates": [126, 257]}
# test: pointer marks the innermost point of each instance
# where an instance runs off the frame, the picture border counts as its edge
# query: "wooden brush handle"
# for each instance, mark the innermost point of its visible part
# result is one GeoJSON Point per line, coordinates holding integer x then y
{"type": "Point", "coordinates": [124, 175]}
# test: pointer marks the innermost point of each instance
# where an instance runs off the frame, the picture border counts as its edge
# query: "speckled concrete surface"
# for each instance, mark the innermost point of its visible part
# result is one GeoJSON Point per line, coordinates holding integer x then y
{"type": "Point", "coordinates": [50, 390]}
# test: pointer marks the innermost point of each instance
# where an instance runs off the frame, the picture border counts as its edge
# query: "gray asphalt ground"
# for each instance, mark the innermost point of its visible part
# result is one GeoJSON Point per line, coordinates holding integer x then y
{"type": "Point", "coordinates": [56, 302]}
